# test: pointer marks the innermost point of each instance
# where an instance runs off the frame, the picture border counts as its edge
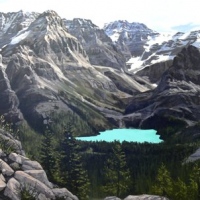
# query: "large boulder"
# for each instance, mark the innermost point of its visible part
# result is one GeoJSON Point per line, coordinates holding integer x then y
{"type": "Point", "coordinates": [31, 165]}
{"type": "Point", "coordinates": [2, 184]}
{"type": "Point", "coordinates": [145, 197]}
{"type": "Point", "coordinates": [41, 176]}
{"type": "Point", "coordinates": [112, 198]}
{"type": "Point", "coordinates": [5, 168]}
{"type": "Point", "coordinates": [13, 189]}
{"type": "Point", "coordinates": [64, 193]}
{"type": "Point", "coordinates": [28, 182]}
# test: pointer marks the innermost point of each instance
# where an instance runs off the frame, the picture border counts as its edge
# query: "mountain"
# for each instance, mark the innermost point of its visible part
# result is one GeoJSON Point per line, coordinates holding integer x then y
{"type": "Point", "coordinates": [175, 102]}
{"type": "Point", "coordinates": [98, 45]}
{"type": "Point", "coordinates": [47, 72]}
{"type": "Point", "coordinates": [153, 52]}
{"type": "Point", "coordinates": [14, 22]}
{"type": "Point", "coordinates": [133, 35]}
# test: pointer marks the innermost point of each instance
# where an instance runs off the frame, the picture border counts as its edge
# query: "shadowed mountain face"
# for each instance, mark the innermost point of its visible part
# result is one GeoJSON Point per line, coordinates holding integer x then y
{"type": "Point", "coordinates": [176, 99]}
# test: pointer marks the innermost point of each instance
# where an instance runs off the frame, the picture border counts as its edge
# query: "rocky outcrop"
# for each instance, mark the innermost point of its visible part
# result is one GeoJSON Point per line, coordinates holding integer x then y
{"type": "Point", "coordinates": [18, 173]}
{"type": "Point", "coordinates": [175, 102]}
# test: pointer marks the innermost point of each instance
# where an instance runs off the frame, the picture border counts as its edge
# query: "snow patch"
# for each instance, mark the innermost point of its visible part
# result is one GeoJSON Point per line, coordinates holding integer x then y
{"type": "Point", "coordinates": [19, 38]}
{"type": "Point", "coordinates": [162, 58]}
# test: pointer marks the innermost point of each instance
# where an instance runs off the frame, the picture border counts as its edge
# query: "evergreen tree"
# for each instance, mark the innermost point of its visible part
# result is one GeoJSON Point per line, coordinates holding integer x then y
{"type": "Point", "coordinates": [163, 185]}
{"type": "Point", "coordinates": [47, 154]}
{"type": "Point", "coordinates": [117, 175]}
{"type": "Point", "coordinates": [75, 178]}
{"type": "Point", "coordinates": [194, 183]}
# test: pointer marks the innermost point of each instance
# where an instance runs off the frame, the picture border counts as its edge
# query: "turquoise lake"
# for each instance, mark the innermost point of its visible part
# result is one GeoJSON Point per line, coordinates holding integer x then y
{"type": "Point", "coordinates": [129, 135]}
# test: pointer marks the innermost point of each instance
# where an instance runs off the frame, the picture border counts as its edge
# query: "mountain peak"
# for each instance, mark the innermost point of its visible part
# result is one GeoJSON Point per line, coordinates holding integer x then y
{"type": "Point", "coordinates": [80, 23]}
{"type": "Point", "coordinates": [122, 25]}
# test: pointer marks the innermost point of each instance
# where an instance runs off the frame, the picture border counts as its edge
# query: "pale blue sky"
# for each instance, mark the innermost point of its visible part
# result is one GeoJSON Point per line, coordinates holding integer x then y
{"type": "Point", "coordinates": [159, 15]}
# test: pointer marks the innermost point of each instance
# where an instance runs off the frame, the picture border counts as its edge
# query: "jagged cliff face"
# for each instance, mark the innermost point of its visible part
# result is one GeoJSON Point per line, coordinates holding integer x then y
{"type": "Point", "coordinates": [177, 95]}
{"type": "Point", "coordinates": [98, 45]}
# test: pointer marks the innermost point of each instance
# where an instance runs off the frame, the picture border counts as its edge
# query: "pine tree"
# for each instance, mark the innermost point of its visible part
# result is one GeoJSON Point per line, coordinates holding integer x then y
{"type": "Point", "coordinates": [194, 183]}
{"type": "Point", "coordinates": [47, 154]}
{"type": "Point", "coordinates": [117, 175]}
{"type": "Point", "coordinates": [75, 178]}
{"type": "Point", "coordinates": [164, 184]}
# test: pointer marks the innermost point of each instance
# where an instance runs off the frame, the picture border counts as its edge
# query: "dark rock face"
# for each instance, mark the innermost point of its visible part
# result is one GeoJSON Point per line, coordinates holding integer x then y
{"type": "Point", "coordinates": [98, 45]}
{"type": "Point", "coordinates": [154, 72]}
{"type": "Point", "coordinates": [176, 100]}
{"type": "Point", "coordinates": [9, 101]}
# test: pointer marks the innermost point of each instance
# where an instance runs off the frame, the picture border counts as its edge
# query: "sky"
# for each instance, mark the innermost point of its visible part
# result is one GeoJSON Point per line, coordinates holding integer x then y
{"type": "Point", "coordinates": [159, 15]}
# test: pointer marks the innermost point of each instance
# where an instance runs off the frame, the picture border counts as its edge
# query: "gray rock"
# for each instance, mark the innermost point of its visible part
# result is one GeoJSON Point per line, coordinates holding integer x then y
{"type": "Point", "coordinates": [42, 197]}
{"type": "Point", "coordinates": [15, 166]}
{"type": "Point", "coordinates": [112, 198]}
{"type": "Point", "coordinates": [2, 178]}
{"type": "Point", "coordinates": [63, 192]}
{"type": "Point", "coordinates": [31, 165]}
{"type": "Point", "coordinates": [5, 168]}
{"type": "Point", "coordinates": [10, 142]}
{"type": "Point", "coordinates": [41, 176]}
{"type": "Point", "coordinates": [17, 158]}
{"type": "Point", "coordinates": [13, 189]}
{"type": "Point", "coordinates": [33, 184]}
{"type": "Point", "coordinates": [195, 156]}
{"type": "Point", "coordinates": [2, 185]}
{"type": "Point", "coordinates": [145, 197]}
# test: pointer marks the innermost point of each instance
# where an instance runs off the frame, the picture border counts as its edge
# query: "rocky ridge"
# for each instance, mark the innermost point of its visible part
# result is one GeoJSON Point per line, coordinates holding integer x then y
{"type": "Point", "coordinates": [98, 45]}
{"type": "Point", "coordinates": [19, 174]}
{"type": "Point", "coordinates": [175, 100]}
